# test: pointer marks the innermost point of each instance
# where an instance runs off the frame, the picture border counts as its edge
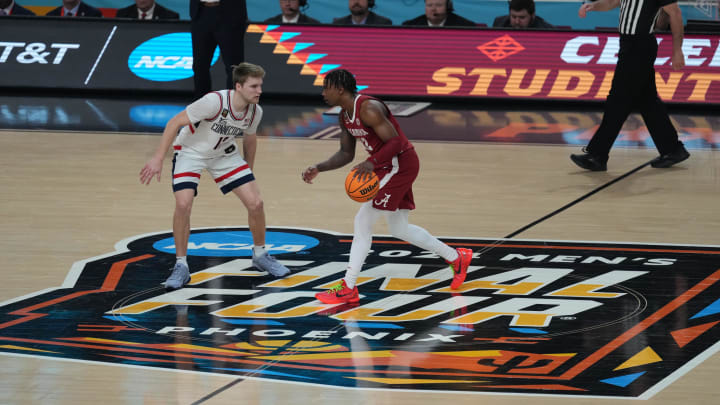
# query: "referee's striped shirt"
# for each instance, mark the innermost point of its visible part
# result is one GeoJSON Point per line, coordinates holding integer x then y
{"type": "Point", "coordinates": [638, 17]}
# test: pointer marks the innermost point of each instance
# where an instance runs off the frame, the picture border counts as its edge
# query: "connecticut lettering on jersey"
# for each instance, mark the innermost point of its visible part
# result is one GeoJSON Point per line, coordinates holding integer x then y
{"type": "Point", "coordinates": [222, 127]}
{"type": "Point", "coordinates": [215, 125]}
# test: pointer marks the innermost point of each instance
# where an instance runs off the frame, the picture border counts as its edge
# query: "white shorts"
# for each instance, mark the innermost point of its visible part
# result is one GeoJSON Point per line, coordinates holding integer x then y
{"type": "Point", "coordinates": [229, 171]}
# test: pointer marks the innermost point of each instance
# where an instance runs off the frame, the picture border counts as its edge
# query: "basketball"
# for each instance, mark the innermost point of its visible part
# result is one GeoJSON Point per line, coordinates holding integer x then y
{"type": "Point", "coordinates": [361, 190]}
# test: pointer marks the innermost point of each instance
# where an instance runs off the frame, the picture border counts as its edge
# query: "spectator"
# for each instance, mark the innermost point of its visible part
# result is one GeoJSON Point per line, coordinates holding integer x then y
{"type": "Point", "coordinates": [9, 7]}
{"type": "Point", "coordinates": [74, 8]}
{"type": "Point", "coordinates": [216, 23]}
{"type": "Point", "coordinates": [439, 13]}
{"type": "Point", "coordinates": [291, 13]}
{"type": "Point", "coordinates": [360, 14]}
{"type": "Point", "coordinates": [522, 15]}
{"type": "Point", "coordinates": [147, 10]}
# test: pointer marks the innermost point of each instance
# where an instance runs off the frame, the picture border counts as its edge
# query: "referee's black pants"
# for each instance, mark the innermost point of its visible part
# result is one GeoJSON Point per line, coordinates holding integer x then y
{"type": "Point", "coordinates": [210, 30]}
{"type": "Point", "coordinates": [633, 88]}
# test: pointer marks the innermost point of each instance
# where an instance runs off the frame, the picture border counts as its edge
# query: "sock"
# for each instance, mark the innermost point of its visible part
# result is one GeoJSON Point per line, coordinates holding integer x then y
{"type": "Point", "coordinates": [182, 259]}
{"type": "Point", "coordinates": [350, 278]}
{"type": "Point", "coordinates": [362, 239]}
{"type": "Point", "coordinates": [258, 251]}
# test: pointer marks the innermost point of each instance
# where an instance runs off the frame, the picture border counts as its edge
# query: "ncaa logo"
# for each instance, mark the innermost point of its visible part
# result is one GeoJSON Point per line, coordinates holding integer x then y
{"type": "Point", "coordinates": [216, 243]}
{"type": "Point", "coordinates": [165, 58]}
{"type": "Point", "coordinates": [573, 319]}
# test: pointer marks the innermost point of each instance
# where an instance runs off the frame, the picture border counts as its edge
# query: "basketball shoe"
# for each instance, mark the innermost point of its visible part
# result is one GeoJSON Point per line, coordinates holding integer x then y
{"type": "Point", "coordinates": [267, 263]}
{"type": "Point", "coordinates": [460, 266]}
{"type": "Point", "coordinates": [339, 293]}
{"type": "Point", "coordinates": [179, 277]}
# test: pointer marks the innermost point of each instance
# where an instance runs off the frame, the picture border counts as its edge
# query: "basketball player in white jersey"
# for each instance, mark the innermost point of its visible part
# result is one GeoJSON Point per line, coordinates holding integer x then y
{"type": "Point", "coordinates": [208, 128]}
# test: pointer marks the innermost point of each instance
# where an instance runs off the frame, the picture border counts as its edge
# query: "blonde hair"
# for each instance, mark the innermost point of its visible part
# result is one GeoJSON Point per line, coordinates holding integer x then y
{"type": "Point", "coordinates": [242, 71]}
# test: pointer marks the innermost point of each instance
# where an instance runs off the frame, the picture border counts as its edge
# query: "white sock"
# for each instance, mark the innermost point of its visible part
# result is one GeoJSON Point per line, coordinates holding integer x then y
{"type": "Point", "coordinates": [401, 229]}
{"type": "Point", "coordinates": [350, 278]}
{"type": "Point", "coordinates": [362, 239]}
{"type": "Point", "coordinates": [181, 259]}
{"type": "Point", "coordinates": [258, 251]}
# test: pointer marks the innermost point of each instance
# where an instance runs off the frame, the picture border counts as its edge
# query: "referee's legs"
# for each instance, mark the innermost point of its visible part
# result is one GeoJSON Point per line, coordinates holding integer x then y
{"type": "Point", "coordinates": [618, 106]}
{"type": "Point", "coordinates": [203, 46]}
{"type": "Point", "coordinates": [232, 48]}
{"type": "Point", "coordinates": [657, 120]}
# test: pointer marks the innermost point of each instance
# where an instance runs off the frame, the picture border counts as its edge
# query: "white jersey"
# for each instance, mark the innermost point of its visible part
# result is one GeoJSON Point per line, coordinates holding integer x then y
{"type": "Point", "coordinates": [214, 125]}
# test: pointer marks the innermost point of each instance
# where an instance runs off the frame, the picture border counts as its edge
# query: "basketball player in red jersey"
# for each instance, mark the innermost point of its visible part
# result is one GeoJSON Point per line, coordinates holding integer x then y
{"type": "Point", "coordinates": [393, 159]}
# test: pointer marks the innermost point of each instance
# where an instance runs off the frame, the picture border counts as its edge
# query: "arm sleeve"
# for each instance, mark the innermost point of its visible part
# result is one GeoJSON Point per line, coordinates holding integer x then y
{"type": "Point", "coordinates": [390, 149]}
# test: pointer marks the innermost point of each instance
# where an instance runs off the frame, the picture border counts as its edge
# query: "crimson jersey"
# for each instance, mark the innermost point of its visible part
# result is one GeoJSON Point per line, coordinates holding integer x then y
{"type": "Point", "coordinates": [366, 135]}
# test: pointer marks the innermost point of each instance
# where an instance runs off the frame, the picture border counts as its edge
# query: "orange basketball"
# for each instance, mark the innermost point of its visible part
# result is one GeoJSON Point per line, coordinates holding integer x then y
{"type": "Point", "coordinates": [361, 190]}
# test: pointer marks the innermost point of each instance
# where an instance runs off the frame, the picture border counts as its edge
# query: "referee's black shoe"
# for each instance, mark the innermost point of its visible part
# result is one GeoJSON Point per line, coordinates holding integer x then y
{"type": "Point", "coordinates": [589, 161]}
{"type": "Point", "coordinates": [669, 159]}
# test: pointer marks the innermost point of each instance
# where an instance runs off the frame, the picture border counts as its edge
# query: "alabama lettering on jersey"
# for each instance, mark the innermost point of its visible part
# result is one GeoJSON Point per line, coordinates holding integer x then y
{"type": "Point", "coordinates": [366, 135]}
{"type": "Point", "coordinates": [214, 125]}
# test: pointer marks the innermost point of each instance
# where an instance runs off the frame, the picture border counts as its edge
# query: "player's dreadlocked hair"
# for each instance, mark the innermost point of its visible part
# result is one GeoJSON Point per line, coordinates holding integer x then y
{"type": "Point", "coordinates": [341, 78]}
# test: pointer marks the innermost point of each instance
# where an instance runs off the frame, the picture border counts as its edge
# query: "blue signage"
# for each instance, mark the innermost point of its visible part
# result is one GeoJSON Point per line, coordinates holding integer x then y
{"type": "Point", "coordinates": [165, 58]}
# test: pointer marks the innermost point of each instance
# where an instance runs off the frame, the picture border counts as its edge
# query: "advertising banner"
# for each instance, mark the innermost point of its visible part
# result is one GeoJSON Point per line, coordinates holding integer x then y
{"type": "Point", "coordinates": [393, 61]}
{"type": "Point", "coordinates": [57, 53]}
{"type": "Point", "coordinates": [542, 65]}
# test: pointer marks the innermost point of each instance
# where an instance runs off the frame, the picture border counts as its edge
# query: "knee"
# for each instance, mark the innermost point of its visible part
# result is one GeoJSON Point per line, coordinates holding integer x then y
{"type": "Point", "coordinates": [361, 220]}
{"type": "Point", "coordinates": [183, 207]}
{"type": "Point", "coordinates": [256, 205]}
{"type": "Point", "coordinates": [363, 223]}
{"type": "Point", "coordinates": [358, 219]}
{"type": "Point", "coordinates": [398, 230]}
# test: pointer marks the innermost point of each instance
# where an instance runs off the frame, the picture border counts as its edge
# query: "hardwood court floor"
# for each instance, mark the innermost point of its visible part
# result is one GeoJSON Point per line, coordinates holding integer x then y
{"type": "Point", "coordinates": [71, 196]}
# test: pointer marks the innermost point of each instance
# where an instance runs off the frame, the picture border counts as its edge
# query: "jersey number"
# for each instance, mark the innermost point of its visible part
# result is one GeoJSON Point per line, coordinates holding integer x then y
{"type": "Point", "coordinates": [221, 141]}
{"type": "Point", "coordinates": [365, 143]}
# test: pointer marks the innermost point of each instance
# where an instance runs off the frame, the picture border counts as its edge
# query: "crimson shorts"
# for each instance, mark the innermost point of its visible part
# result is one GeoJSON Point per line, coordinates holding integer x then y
{"type": "Point", "coordinates": [396, 182]}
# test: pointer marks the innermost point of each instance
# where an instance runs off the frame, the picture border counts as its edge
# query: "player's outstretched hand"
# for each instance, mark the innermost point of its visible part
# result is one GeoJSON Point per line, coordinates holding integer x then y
{"type": "Point", "coordinates": [152, 168]}
{"type": "Point", "coordinates": [309, 174]}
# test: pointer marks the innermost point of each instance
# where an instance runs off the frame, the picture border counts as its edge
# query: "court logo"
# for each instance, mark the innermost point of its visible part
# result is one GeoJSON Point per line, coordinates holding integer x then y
{"type": "Point", "coordinates": [237, 243]}
{"type": "Point", "coordinates": [533, 317]}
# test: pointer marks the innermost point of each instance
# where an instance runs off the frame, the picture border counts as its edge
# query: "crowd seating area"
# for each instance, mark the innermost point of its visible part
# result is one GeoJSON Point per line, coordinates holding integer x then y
{"type": "Point", "coordinates": [560, 13]}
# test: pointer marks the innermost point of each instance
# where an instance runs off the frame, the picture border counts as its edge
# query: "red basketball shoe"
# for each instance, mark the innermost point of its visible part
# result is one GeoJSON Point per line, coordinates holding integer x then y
{"type": "Point", "coordinates": [460, 266]}
{"type": "Point", "coordinates": [339, 293]}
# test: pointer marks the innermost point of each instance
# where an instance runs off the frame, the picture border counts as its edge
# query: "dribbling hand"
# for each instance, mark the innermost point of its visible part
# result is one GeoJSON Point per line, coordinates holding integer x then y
{"type": "Point", "coordinates": [364, 170]}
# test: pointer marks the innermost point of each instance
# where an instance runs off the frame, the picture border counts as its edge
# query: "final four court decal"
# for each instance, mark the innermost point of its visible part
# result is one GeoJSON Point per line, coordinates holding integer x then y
{"type": "Point", "coordinates": [565, 318]}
